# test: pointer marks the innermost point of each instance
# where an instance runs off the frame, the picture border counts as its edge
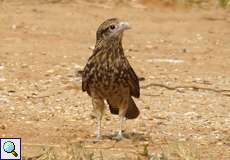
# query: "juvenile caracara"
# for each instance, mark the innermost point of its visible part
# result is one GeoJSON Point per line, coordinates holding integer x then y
{"type": "Point", "coordinates": [109, 76]}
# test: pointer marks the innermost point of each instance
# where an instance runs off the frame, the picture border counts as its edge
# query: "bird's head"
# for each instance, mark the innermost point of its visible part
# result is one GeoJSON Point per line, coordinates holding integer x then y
{"type": "Point", "coordinates": [112, 28]}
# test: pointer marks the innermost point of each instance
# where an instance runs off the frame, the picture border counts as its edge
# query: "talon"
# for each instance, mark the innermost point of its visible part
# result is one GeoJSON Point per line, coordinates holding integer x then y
{"type": "Point", "coordinates": [98, 138]}
{"type": "Point", "coordinates": [119, 136]}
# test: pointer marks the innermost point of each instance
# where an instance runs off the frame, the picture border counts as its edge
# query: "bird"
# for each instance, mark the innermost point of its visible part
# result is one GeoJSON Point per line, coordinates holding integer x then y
{"type": "Point", "coordinates": [109, 77]}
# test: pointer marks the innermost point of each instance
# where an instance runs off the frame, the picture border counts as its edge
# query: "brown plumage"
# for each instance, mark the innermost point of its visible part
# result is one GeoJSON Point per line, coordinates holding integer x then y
{"type": "Point", "coordinates": [109, 76]}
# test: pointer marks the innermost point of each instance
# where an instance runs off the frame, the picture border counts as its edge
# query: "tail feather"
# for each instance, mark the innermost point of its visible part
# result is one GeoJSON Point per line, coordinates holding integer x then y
{"type": "Point", "coordinates": [113, 109]}
{"type": "Point", "coordinates": [132, 111]}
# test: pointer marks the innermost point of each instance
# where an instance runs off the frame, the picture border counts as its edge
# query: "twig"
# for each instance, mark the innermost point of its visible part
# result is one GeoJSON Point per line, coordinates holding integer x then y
{"type": "Point", "coordinates": [151, 95]}
{"type": "Point", "coordinates": [214, 19]}
{"type": "Point", "coordinates": [158, 85]}
{"type": "Point", "coordinates": [189, 87]}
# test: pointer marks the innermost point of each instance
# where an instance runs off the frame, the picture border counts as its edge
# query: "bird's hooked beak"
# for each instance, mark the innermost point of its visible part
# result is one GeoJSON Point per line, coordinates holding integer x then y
{"type": "Point", "coordinates": [123, 25]}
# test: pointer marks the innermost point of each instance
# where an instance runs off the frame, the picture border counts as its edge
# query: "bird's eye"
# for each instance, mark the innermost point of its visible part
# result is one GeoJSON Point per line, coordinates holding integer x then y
{"type": "Point", "coordinates": [112, 27]}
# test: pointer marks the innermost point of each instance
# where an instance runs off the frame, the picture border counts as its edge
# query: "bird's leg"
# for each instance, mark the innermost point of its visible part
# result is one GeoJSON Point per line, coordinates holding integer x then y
{"type": "Point", "coordinates": [119, 135]}
{"type": "Point", "coordinates": [99, 107]}
{"type": "Point", "coordinates": [122, 112]}
{"type": "Point", "coordinates": [99, 127]}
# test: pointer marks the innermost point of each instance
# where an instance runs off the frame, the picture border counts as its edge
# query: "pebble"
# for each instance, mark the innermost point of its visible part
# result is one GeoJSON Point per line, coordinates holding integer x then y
{"type": "Point", "coordinates": [91, 47]}
{"type": "Point", "coordinates": [148, 46]}
{"type": "Point", "coordinates": [1, 67]}
{"type": "Point", "coordinates": [2, 79]}
{"type": "Point", "coordinates": [14, 26]}
{"type": "Point", "coordinates": [3, 127]}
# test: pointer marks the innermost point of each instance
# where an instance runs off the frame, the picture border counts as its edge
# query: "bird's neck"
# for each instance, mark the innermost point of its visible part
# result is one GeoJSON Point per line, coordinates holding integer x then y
{"type": "Point", "coordinates": [114, 43]}
{"type": "Point", "coordinates": [107, 46]}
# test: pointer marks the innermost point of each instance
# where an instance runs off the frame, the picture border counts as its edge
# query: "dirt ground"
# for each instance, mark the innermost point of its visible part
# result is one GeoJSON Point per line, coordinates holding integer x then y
{"type": "Point", "coordinates": [183, 56]}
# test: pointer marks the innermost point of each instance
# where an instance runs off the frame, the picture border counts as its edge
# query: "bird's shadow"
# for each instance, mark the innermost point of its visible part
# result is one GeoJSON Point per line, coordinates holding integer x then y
{"type": "Point", "coordinates": [133, 136]}
{"type": "Point", "coordinates": [128, 135]}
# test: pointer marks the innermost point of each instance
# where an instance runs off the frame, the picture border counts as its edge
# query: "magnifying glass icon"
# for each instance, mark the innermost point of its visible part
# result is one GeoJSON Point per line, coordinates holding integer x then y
{"type": "Point", "coordinates": [9, 147]}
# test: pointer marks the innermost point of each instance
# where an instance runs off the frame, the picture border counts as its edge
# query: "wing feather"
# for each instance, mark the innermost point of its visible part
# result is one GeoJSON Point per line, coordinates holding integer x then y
{"type": "Point", "coordinates": [87, 71]}
{"type": "Point", "coordinates": [85, 78]}
{"type": "Point", "coordinates": [133, 81]}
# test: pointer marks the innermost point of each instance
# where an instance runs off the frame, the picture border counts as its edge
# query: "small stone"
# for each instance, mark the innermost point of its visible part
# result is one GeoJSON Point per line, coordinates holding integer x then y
{"type": "Point", "coordinates": [148, 46]}
{"type": "Point", "coordinates": [184, 50]}
{"type": "Point", "coordinates": [2, 79]}
{"type": "Point", "coordinates": [219, 143]}
{"type": "Point", "coordinates": [3, 127]}
{"type": "Point", "coordinates": [1, 67]}
{"type": "Point", "coordinates": [14, 26]}
{"type": "Point", "coordinates": [50, 71]}
{"type": "Point", "coordinates": [24, 66]}
{"type": "Point", "coordinates": [107, 118]}
{"type": "Point", "coordinates": [91, 47]}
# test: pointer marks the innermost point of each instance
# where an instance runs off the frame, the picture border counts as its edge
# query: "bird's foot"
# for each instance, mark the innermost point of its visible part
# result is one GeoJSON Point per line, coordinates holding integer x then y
{"type": "Point", "coordinates": [119, 136]}
{"type": "Point", "coordinates": [97, 139]}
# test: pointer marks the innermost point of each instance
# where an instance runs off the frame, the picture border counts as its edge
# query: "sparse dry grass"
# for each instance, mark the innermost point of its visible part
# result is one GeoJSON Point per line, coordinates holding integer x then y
{"type": "Point", "coordinates": [77, 151]}
{"type": "Point", "coordinates": [69, 151]}
{"type": "Point", "coordinates": [224, 3]}
{"type": "Point", "coordinates": [174, 151]}
{"type": "Point", "coordinates": [183, 151]}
